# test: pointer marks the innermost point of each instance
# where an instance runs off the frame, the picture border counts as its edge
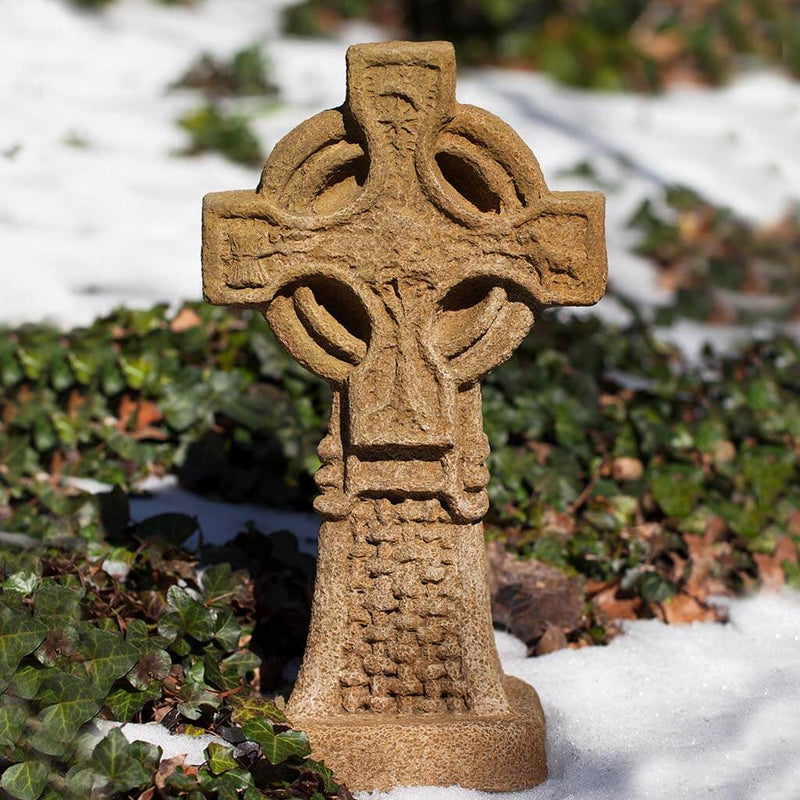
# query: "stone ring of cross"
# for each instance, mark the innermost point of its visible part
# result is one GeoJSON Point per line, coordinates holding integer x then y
{"type": "Point", "coordinates": [399, 246]}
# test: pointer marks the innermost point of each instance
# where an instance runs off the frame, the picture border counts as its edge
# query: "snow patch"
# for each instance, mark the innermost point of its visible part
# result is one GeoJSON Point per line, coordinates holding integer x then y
{"type": "Point", "coordinates": [171, 744]}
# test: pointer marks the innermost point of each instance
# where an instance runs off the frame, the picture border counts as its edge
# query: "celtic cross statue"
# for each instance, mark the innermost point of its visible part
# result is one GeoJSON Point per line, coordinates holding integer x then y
{"type": "Point", "coordinates": [399, 247]}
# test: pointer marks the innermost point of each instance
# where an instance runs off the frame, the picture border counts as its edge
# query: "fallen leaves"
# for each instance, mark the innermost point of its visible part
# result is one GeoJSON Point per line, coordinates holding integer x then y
{"type": "Point", "coordinates": [531, 598]}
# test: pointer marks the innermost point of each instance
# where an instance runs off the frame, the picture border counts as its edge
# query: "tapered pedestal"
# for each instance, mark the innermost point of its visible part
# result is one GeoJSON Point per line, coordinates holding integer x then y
{"type": "Point", "coordinates": [499, 753]}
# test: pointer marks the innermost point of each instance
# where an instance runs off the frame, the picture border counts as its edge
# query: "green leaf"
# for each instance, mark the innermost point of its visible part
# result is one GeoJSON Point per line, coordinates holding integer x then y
{"type": "Point", "coordinates": [227, 630]}
{"type": "Point", "coordinates": [124, 704]}
{"type": "Point", "coordinates": [151, 666]}
{"type": "Point", "coordinates": [239, 664]}
{"type": "Point", "coordinates": [26, 681]}
{"type": "Point", "coordinates": [84, 781]}
{"type": "Point", "coordinates": [59, 643]}
{"type": "Point", "coordinates": [25, 781]}
{"type": "Point", "coordinates": [112, 758]}
{"type": "Point", "coordinates": [68, 702]}
{"type": "Point", "coordinates": [23, 582]}
{"type": "Point", "coordinates": [186, 616]}
{"type": "Point", "coordinates": [147, 754]}
{"type": "Point", "coordinates": [768, 470]}
{"type": "Point", "coordinates": [56, 605]}
{"type": "Point", "coordinates": [12, 722]}
{"type": "Point", "coordinates": [194, 697]}
{"type": "Point", "coordinates": [319, 769]}
{"type": "Point", "coordinates": [277, 747]}
{"type": "Point", "coordinates": [107, 657]}
{"type": "Point", "coordinates": [217, 584]}
{"type": "Point", "coordinates": [676, 487]}
{"type": "Point", "coordinates": [19, 635]}
{"type": "Point", "coordinates": [136, 634]}
{"type": "Point", "coordinates": [220, 758]}
{"type": "Point", "coordinates": [258, 708]}
{"type": "Point", "coordinates": [655, 588]}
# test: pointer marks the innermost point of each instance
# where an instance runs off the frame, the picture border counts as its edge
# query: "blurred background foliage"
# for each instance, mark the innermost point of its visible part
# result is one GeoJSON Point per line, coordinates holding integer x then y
{"type": "Point", "coordinates": [639, 45]}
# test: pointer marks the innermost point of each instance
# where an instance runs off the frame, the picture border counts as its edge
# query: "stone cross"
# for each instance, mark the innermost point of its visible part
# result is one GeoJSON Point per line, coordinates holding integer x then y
{"type": "Point", "coordinates": [399, 246]}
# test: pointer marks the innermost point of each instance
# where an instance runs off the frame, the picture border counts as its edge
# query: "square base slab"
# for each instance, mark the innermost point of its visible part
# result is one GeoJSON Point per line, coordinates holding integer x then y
{"type": "Point", "coordinates": [497, 754]}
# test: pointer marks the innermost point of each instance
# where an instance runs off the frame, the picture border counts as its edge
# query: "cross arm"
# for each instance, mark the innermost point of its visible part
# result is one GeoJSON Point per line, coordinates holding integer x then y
{"type": "Point", "coordinates": [241, 249]}
{"type": "Point", "coordinates": [563, 250]}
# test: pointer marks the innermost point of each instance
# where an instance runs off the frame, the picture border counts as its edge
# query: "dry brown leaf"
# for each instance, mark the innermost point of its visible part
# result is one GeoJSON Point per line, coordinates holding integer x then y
{"type": "Point", "coordinates": [703, 559]}
{"type": "Point", "coordinates": [770, 567]}
{"type": "Point", "coordinates": [551, 640]}
{"type": "Point", "coordinates": [609, 603]}
{"type": "Point", "coordinates": [558, 523]}
{"type": "Point", "coordinates": [125, 412]}
{"type": "Point", "coordinates": [166, 768]}
{"type": "Point", "coordinates": [626, 469]}
{"type": "Point", "coordinates": [185, 319]}
{"type": "Point", "coordinates": [527, 596]}
{"type": "Point", "coordinates": [682, 609]}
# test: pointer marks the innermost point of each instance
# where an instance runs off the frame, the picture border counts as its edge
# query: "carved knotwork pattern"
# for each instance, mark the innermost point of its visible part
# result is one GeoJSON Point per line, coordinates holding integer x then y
{"type": "Point", "coordinates": [403, 653]}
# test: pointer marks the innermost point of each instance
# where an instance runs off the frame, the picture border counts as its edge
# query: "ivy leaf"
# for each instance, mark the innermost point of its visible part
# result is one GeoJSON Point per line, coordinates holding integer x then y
{"type": "Point", "coordinates": [239, 664]}
{"type": "Point", "coordinates": [325, 774]}
{"type": "Point", "coordinates": [83, 781]}
{"type": "Point", "coordinates": [220, 758]}
{"type": "Point", "coordinates": [136, 634]}
{"type": "Point", "coordinates": [217, 583]}
{"type": "Point", "coordinates": [277, 747]}
{"type": "Point", "coordinates": [147, 754]}
{"type": "Point", "coordinates": [25, 781]}
{"type": "Point", "coordinates": [56, 605]}
{"type": "Point", "coordinates": [69, 702]}
{"type": "Point", "coordinates": [768, 470]}
{"type": "Point", "coordinates": [19, 635]}
{"type": "Point", "coordinates": [212, 672]}
{"type": "Point", "coordinates": [676, 487]}
{"type": "Point", "coordinates": [152, 666]}
{"type": "Point", "coordinates": [12, 722]}
{"type": "Point", "coordinates": [258, 708]}
{"type": "Point", "coordinates": [107, 657]}
{"type": "Point", "coordinates": [124, 704]}
{"type": "Point", "coordinates": [193, 697]}
{"type": "Point", "coordinates": [23, 582]}
{"type": "Point", "coordinates": [60, 642]}
{"type": "Point", "coordinates": [655, 588]}
{"type": "Point", "coordinates": [113, 759]}
{"type": "Point", "coordinates": [227, 630]}
{"type": "Point", "coordinates": [185, 616]}
{"type": "Point", "coordinates": [26, 681]}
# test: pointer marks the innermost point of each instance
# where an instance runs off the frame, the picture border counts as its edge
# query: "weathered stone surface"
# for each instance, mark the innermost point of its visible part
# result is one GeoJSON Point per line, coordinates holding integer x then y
{"type": "Point", "coordinates": [399, 247]}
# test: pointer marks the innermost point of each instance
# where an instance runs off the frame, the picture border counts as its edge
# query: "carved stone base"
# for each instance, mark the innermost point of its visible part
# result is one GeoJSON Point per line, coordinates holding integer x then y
{"type": "Point", "coordinates": [500, 753]}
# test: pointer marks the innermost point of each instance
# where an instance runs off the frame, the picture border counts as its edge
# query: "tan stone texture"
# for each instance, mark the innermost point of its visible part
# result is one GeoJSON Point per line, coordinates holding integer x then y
{"type": "Point", "coordinates": [399, 246]}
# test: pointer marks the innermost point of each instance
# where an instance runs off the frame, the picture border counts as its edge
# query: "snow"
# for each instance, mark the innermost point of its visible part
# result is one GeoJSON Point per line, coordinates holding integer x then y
{"type": "Point", "coordinates": [172, 745]}
{"type": "Point", "coordinates": [220, 522]}
{"type": "Point", "coordinates": [703, 711]}
{"type": "Point", "coordinates": [83, 229]}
